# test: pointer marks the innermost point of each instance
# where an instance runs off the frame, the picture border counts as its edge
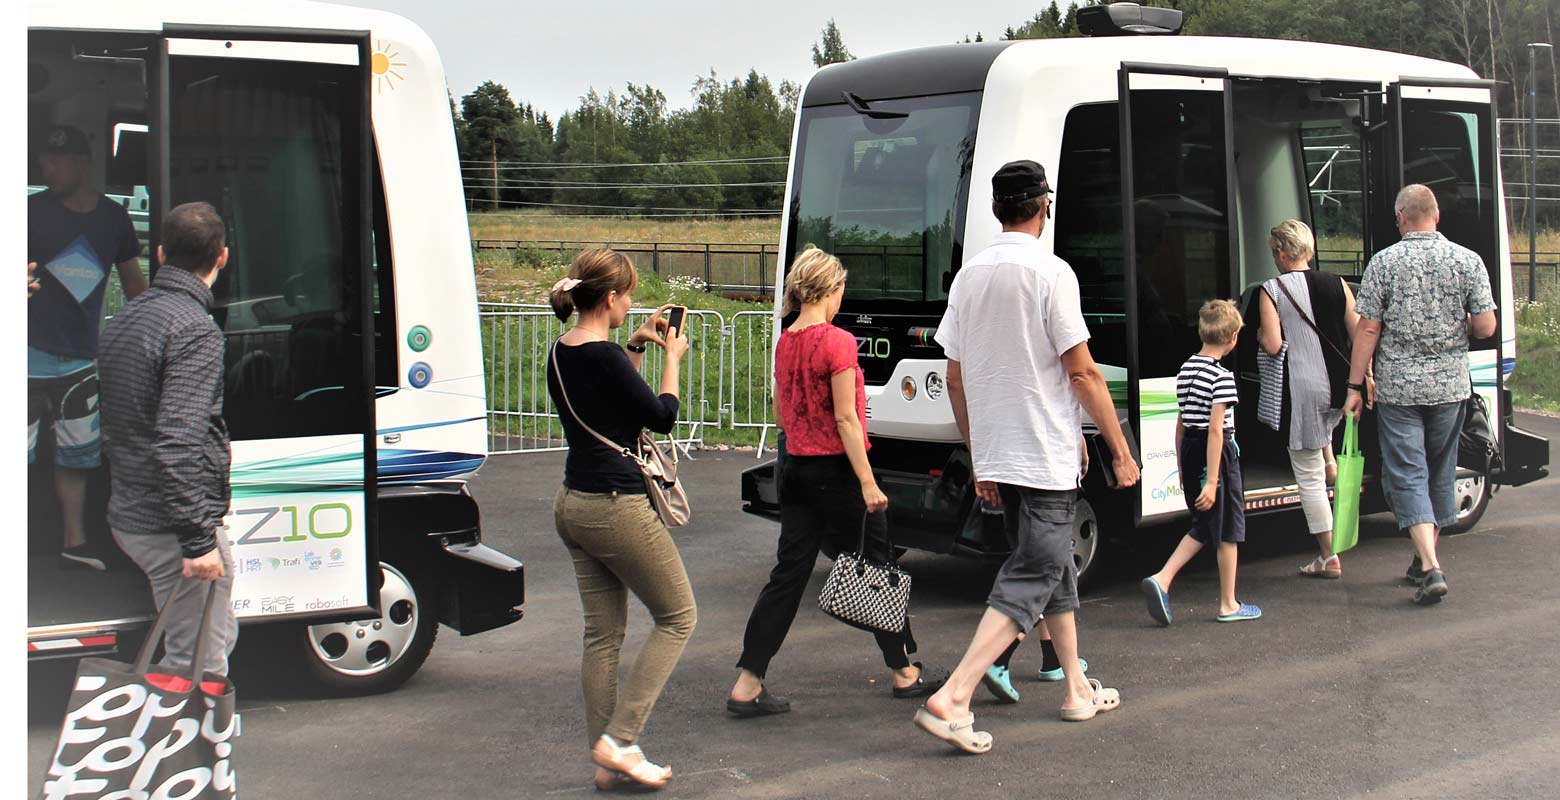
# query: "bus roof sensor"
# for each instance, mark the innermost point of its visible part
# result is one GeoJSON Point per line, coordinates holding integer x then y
{"type": "Point", "coordinates": [1128, 19]}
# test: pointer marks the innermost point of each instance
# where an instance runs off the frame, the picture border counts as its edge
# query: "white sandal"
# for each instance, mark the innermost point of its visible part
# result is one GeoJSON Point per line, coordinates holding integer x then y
{"type": "Point", "coordinates": [641, 771]}
{"type": "Point", "coordinates": [960, 733]}
{"type": "Point", "coordinates": [1318, 568]}
{"type": "Point", "coordinates": [1104, 700]}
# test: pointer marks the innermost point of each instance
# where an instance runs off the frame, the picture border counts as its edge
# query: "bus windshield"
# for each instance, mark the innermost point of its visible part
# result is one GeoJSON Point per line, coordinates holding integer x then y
{"type": "Point", "coordinates": [886, 196]}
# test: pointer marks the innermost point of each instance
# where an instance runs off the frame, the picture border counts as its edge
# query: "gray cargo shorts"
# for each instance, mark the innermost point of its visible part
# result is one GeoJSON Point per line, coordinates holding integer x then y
{"type": "Point", "coordinates": [1039, 577]}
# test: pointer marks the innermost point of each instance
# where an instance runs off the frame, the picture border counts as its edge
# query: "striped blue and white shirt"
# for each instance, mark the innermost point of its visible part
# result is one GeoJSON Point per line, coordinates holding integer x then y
{"type": "Point", "coordinates": [1202, 383]}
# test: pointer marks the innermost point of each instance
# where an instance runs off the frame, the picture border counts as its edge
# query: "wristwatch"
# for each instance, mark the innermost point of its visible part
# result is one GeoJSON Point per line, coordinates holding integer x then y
{"type": "Point", "coordinates": [632, 348]}
{"type": "Point", "coordinates": [1358, 387]}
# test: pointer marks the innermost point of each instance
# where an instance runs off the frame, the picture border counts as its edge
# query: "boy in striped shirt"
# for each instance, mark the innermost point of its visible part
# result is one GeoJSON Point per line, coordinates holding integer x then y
{"type": "Point", "coordinates": [1210, 465]}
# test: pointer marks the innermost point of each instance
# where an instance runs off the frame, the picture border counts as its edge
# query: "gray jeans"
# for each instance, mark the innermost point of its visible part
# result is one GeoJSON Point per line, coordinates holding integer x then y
{"type": "Point", "coordinates": [158, 555]}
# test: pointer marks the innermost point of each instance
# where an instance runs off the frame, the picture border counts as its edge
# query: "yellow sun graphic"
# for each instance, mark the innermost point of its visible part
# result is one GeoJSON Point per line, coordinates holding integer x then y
{"type": "Point", "coordinates": [384, 65]}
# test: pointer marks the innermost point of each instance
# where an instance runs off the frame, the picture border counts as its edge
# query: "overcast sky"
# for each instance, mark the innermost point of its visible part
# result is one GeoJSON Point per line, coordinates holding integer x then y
{"type": "Point", "coordinates": [549, 53]}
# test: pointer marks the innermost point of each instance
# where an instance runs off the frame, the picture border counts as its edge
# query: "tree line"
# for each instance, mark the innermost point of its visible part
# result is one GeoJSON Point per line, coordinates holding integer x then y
{"type": "Point", "coordinates": [626, 152]}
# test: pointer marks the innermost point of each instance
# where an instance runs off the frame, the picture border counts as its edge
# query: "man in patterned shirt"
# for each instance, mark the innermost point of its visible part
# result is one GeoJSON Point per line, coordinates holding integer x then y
{"type": "Point", "coordinates": [161, 373]}
{"type": "Point", "coordinates": [1420, 301]}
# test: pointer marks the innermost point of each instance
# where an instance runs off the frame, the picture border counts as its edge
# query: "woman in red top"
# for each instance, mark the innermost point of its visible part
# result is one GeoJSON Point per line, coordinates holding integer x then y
{"type": "Point", "coordinates": [826, 488]}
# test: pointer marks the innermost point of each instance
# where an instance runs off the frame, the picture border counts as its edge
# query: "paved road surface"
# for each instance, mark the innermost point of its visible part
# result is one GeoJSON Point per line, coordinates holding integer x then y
{"type": "Point", "coordinates": [1343, 689]}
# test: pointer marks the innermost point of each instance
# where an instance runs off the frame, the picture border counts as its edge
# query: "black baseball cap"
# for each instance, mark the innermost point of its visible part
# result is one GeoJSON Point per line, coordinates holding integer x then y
{"type": "Point", "coordinates": [67, 140]}
{"type": "Point", "coordinates": [1018, 181]}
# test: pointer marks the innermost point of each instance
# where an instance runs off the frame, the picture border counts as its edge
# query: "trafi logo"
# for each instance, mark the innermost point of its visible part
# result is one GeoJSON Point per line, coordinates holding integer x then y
{"type": "Point", "coordinates": [1168, 488]}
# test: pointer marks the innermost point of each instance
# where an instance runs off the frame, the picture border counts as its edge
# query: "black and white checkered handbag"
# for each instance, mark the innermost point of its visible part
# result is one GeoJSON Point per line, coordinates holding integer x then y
{"type": "Point", "coordinates": [867, 594]}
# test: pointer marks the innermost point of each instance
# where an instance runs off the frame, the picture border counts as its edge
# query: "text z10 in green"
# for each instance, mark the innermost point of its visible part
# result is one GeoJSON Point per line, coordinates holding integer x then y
{"type": "Point", "coordinates": [323, 521]}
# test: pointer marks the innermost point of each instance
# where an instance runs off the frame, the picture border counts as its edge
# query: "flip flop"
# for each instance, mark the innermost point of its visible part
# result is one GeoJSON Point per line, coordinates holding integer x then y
{"type": "Point", "coordinates": [620, 782]}
{"type": "Point", "coordinates": [1158, 601]}
{"type": "Point", "coordinates": [1246, 611]}
{"type": "Point", "coordinates": [1104, 700]}
{"type": "Point", "coordinates": [960, 733]}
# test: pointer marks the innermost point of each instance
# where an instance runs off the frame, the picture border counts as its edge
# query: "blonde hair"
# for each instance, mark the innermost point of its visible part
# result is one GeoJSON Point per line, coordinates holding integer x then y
{"type": "Point", "coordinates": [813, 276]}
{"type": "Point", "coordinates": [600, 272]}
{"type": "Point", "coordinates": [1291, 239]}
{"type": "Point", "coordinates": [1217, 321]}
{"type": "Point", "coordinates": [1416, 202]}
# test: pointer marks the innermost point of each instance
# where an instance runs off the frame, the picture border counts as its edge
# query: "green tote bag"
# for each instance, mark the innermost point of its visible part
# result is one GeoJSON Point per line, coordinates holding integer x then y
{"type": "Point", "coordinates": [1346, 496]}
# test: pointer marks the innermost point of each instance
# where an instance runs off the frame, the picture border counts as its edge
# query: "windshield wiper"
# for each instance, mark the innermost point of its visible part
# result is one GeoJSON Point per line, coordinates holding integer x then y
{"type": "Point", "coordinates": [859, 106]}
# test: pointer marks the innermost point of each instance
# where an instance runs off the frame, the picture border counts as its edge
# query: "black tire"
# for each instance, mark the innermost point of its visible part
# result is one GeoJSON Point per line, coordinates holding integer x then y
{"type": "Point", "coordinates": [1088, 543]}
{"type": "Point", "coordinates": [1473, 499]}
{"type": "Point", "coordinates": [377, 655]}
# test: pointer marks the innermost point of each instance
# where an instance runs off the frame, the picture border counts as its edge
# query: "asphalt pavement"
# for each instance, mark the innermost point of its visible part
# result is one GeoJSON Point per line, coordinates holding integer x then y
{"type": "Point", "coordinates": [1343, 689]}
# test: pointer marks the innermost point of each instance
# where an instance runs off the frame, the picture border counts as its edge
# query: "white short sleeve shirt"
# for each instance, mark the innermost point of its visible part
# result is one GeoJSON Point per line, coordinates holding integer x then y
{"type": "Point", "coordinates": [1013, 310]}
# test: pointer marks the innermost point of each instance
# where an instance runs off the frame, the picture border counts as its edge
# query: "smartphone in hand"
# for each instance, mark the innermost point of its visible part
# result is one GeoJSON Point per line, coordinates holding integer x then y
{"type": "Point", "coordinates": [674, 318]}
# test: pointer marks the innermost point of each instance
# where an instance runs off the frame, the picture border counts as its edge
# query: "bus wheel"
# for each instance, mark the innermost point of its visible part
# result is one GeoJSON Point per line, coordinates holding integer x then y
{"type": "Point", "coordinates": [1087, 543]}
{"type": "Point", "coordinates": [1473, 497]}
{"type": "Point", "coordinates": [374, 655]}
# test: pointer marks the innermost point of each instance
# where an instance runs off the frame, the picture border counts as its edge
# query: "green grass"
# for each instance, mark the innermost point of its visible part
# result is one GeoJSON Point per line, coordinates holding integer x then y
{"type": "Point", "coordinates": [516, 347]}
{"type": "Point", "coordinates": [1536, 382]}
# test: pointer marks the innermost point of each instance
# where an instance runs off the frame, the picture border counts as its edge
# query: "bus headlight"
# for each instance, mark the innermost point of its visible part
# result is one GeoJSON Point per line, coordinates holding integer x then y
{"type": "Point", "coordinates": [907, 388]}
{"type": "Point", "coordinates": [934, 385]}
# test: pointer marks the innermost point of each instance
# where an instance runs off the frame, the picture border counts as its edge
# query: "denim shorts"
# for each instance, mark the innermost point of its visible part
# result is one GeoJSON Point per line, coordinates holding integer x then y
{"type": "Point", "coordinates": [1039, 577]}
{"type": "Point", "coordinates": [1419, 461]}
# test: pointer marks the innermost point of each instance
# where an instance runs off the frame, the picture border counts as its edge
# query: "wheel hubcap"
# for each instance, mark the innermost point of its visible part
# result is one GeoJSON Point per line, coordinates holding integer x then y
{"type": "Point", "coordinates": [1469, 492]}
{"type": "Point", "coordinates": [1086, 536]}
{"type": "Point", "coordinates": [367, 647]}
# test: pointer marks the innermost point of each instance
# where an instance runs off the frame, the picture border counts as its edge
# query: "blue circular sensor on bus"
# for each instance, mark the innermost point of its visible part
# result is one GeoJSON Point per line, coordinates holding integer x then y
{"type": "Point", "coordinates": [419, 375]}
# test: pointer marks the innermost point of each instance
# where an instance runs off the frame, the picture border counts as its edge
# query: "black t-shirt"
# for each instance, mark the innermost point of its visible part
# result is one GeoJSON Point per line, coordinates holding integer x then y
{"type": "Point", "coordinates": [613, 398]}
{"type": "Point", "coordinates": [74, 252]}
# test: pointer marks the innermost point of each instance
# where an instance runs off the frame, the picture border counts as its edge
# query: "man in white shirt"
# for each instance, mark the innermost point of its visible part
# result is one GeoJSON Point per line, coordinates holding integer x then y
{"type": "Point", "coordinates": [1018, 368]}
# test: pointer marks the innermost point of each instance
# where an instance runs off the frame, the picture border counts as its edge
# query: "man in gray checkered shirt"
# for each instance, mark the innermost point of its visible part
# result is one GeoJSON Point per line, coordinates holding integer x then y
{"type": "Point", "coordinates": [1419, 302]}
{"type": "Point", "coordinates": [160, 368]}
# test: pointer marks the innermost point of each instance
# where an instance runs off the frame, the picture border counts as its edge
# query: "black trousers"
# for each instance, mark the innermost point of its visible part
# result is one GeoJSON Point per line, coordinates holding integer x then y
{"type": "Point", "coordinates": [819, 498]}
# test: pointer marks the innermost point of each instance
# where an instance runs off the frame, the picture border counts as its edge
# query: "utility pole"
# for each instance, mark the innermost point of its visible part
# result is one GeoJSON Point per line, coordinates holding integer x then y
{"type": "Point", "coordinates": [1532, 145]}
{"type": "Point", "coordinates": [495, 170]}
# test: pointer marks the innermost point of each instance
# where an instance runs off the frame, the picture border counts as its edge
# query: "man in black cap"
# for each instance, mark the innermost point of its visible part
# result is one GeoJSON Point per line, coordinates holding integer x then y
{"type": "Point", "coordinates": [74, 236]}
{"type": "Point", "coordinates": [1018, 369]}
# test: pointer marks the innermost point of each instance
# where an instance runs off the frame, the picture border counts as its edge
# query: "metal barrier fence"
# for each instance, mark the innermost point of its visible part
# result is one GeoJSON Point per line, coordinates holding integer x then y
{"type": "Point", "coordinates": [746, 269]}
{"type": "Point", "coordinates": [521, 415]}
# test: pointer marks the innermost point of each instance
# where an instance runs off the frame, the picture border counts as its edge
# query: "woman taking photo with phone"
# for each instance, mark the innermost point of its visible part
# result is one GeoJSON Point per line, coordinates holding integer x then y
{"type": "Point", "coordinates": [826, 487]}
{"type": "Point", "coordinates": [603, 513]}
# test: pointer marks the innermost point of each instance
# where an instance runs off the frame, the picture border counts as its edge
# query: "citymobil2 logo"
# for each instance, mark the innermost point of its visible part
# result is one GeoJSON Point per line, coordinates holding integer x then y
{"type": "Point", "coordinates": [1169, 487]}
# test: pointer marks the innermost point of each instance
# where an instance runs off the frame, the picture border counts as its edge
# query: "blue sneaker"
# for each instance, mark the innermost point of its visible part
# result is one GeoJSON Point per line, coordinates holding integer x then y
{"type": "Point", "coordinates": [1245, 612]}
{"type": "Point", "coordinates": [1054, 675]}
{"type": "Point", "coordinates": [1158, 601]}
{"type": "Point", "coordinates": [999, 681]}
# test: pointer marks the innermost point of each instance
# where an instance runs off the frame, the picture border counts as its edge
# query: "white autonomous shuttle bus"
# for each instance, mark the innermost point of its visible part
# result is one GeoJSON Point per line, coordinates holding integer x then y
{"type": "Point", "coordinates": [354, 380]}
{"type": "Point", "coordinates": [1170, 157]}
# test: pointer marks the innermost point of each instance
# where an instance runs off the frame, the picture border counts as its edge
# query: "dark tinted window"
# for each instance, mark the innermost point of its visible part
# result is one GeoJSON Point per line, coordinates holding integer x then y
{"type": "Point", "coordinates": [1181, 220]}
{"type": "Point", "coordinates": [1445, 147]}
{"type": "Point", "coordinates": [886, 196]}
{"type": "Point", "coordinates": [1335, 183]}
{"type": "Point", "coordinates": [274, 146]}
